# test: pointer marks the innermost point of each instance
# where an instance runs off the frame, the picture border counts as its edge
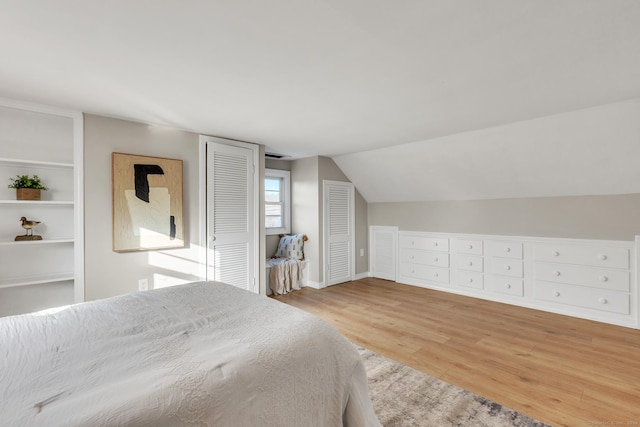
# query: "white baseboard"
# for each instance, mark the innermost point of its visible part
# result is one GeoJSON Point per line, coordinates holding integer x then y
{"type": "Point", "coordinates": [322, 285]}
{"type": "Point", "coordinates": [314, 285]}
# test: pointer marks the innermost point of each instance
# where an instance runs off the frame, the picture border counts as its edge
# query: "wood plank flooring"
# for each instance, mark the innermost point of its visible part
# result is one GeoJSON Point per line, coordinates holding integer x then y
{"type": "Point", "coordinates": [560, 370]}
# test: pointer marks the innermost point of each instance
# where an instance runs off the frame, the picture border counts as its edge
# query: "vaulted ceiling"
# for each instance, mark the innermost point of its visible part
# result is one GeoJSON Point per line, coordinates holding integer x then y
{"type": "Point", "coordinates": [322, 77]}
{"type": "Point", "coordinates": [325, 77]}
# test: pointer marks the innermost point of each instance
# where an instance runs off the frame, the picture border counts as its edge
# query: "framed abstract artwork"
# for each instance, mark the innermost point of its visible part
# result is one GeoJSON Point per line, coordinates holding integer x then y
{"type": "Point", "coordinates": [147, 203]}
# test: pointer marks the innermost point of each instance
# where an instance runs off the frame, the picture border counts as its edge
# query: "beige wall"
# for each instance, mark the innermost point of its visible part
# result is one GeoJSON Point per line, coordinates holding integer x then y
{"type": "Point", "coordinates": [594, 217]}
{"type": "Point", "coordinates": [307, 176]}
{"type": "Point", "coordinates": [305, 216]}
{"type": "Point", "coordinates": [306, 198]}
{"type": "Point", "coordinates": [328, 170]}
{"type": "Point", "coordinates": [108, 273]}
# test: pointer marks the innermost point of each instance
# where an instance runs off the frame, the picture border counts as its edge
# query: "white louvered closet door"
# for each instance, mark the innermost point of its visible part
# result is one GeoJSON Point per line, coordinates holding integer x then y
{"type": "Point", "coordinates": [382, 252]}
{"type": "Point", "coordinates": [230, 215]}
{"type": "Point", "coordinates": [339, 240]}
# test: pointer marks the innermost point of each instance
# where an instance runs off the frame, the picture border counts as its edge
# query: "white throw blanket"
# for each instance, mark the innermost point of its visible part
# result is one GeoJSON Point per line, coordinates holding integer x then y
{"type": "Point", "coordinates": [201, 354]}
{"type": "Point", "coordinates": [285, 275]}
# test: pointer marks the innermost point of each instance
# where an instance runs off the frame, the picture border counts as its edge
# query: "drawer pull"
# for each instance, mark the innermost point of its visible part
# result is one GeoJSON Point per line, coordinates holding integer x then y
{"type": "Point", "coordinates": [603, 278]}
{"type": "Point", "coordinates": [556, 293]}
{"type": "Point", "coordinates": [470, 262]}
{"type": "Point", "coordinates": [603, 301]}
{"type": "Point", "coordinates": [470, 279]}
{"type": "Point", "coordinates": [435, 259]}
{"type": "Point", "coordinates": [413, 243]}
{"type": "Point", "coordinates": [435, 243]}
{"type": "Point", "coordinates": [507, 249]}
{"type": "Point", "coordinates": [412, 256]}
{"type": "Point", "coordinates": [602, 257]}
{"type": "Point", "coordinates": [469, 246]}
{"type": "Point", "coordinates": [507, 267]}
{"type": "Point", "coordinates": [555, 253]}
{"type": "Point", "coordinates": [435, 274]}
{"type": "Point", "coordinates": [413, 271]}
{"type": "Point", "coordinates": [556, 273]}
{"type": "Point", "coordinates": [507, 285]}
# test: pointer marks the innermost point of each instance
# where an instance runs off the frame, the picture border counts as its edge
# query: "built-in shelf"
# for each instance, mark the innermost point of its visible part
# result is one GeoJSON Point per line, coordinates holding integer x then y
{"type": "Point", "coordinates": [35, 280]}
{"type": "Point", "coordinates": [34, 163]}
{"type": "Point", "coordinates": [37, 202]}
{"type": "Point", "coordinates": [37, 242]}
{"type": "Point", "coordinates": [44, 141]}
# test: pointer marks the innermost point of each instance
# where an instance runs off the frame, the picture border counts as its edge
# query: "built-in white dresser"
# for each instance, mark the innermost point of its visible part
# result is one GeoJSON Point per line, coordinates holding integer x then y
{"type": "Point", "coordinates": [467, 263]}
{"type": "Point", "coordinates": [587, 277]}
{"type": "Point", "coordinates": [591, 279]}
{"type": "Point", "coordinates": [424, 259]}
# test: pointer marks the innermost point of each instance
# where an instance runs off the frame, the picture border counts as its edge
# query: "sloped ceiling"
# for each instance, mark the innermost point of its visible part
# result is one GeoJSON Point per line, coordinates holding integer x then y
{"type": "Point", "coordinates": [322, 77]}
{"type": "Point", "coordinates": [593, 151]}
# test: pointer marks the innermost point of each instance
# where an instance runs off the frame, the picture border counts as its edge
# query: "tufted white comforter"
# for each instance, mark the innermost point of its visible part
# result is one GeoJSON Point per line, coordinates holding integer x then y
{"type": "Point", "coordinates": [201, 354]}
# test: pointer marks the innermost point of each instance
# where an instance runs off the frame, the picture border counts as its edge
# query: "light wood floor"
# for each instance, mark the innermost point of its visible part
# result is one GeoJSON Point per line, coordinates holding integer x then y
{"type": "Point", "coordinates": [560, 370]}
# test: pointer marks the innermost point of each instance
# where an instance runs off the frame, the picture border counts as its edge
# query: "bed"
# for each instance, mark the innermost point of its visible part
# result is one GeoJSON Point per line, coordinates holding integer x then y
{"type": "Point", "coordinates": [200, 354]}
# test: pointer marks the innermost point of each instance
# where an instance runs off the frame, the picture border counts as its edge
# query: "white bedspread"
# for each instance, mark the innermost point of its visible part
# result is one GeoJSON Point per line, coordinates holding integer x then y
{"type": "Point", "coordinates": [204, 354]}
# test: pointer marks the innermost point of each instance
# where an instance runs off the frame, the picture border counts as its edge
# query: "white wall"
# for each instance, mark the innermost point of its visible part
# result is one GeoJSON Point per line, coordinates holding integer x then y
{"type": "Point", "coordinates": [108, 273]}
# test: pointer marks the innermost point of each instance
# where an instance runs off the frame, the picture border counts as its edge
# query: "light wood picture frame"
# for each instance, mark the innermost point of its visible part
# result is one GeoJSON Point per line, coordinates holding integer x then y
{"type": "Point", "coordinates": [147, 203]}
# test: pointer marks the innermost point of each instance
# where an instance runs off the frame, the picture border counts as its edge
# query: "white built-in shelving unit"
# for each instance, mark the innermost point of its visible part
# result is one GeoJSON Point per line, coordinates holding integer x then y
{"type": "Point", "coordinates": [43, 141]}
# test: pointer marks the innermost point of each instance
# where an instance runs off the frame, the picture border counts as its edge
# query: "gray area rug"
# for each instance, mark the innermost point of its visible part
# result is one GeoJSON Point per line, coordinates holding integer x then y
{"type": "Point", "coordinates": [405, 397]}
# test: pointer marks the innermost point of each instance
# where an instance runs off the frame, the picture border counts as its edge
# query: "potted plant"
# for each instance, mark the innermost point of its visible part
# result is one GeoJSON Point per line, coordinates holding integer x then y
{"type": "Point", "coordinates": [27, 188]}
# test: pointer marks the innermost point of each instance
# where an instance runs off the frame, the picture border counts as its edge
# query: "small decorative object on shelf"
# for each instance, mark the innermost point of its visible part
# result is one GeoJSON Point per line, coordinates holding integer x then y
{"type": "Point", "coordinates": [27, 188]}
{"type": "Point", "coordinates": [28, 226]}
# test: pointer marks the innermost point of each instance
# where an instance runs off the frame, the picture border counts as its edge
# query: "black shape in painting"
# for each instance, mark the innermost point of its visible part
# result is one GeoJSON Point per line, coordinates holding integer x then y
{"type": "Point", "coordinates": [141, 181]}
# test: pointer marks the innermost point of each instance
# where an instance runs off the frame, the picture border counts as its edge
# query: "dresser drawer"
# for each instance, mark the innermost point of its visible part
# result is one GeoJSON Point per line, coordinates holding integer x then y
{"type": "Point", "coordinates": [505, 285]}
{"type": "Point", "coordinates": [414, 256]}
{"type": "Point", "coordinates": [598, 256]}
{"type": "Point", "coordinates": [423, 242]}
{"type": "Point", "coordinates": [425, 272]}
{"type": "Point", "coordinates": [466, 246]}
{"type": "Point", "coordinates": [579, 296]}
{"type": "Point", "coordinates": [467, 262]}
{"type": "Point", "coordinates": [468, 279]}
{"type": "Point", "coordinates": [503, 248]}
{"type": "Point", "coordinates": [604, 278]}
{"type": "Point", "coordinates": [506, 267]}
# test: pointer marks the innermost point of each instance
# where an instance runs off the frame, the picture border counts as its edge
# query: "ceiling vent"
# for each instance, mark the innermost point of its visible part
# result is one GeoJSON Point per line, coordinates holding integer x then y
{"type": "Point", "coordinates": [274, 156]}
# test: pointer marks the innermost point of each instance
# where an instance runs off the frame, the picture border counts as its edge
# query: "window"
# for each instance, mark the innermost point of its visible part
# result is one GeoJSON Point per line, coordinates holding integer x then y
{"type": "Point", "coordinates": [277, 208]}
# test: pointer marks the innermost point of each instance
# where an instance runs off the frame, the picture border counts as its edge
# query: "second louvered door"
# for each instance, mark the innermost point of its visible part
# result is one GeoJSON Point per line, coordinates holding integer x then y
{"type": "Point", "coordinates": [339, 219]}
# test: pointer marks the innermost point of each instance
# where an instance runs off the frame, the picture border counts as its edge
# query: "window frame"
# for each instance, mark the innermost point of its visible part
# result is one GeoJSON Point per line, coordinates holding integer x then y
{"type": "Point", "coordinates": [285, 175]}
